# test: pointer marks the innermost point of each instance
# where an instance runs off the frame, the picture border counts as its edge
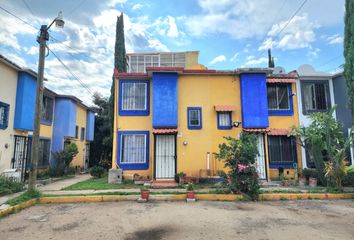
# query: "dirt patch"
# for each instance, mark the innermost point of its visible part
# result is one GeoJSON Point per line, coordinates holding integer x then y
{"type": "Point", "coordinates": [66, 227]}
{"type": "Point", "coordinates": [155, 233]}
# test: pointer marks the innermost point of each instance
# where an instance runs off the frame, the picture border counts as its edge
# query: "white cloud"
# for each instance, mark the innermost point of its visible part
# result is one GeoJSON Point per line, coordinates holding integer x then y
{"type": "Point", "coordinates": [335, 39]}
{"type": "Point", "coordinates": [218, 59]}
{"type": "Point", "coordinates": [251, 60]}
{"type": "Point", "coordinates": [113, 3]}
{"type": "Point", "coordinates": [313, 53]}
{"type": "Point", "coordinates": [137, 6]}
{"type": "Point", "coordinates": [234, 57]}
{"type": "Point", "coordinates": [299, 33]}
{"type": "Point", "coordinates": [166, 26]}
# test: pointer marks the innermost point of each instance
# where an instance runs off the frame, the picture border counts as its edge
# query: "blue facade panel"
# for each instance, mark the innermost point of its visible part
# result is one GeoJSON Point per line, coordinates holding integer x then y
{"type": "Point", "coordinates": [64, 123]}
{"type": "Point", "coordinates": [90, 125]}
{"type": "Point", "coordinates": [254, 100]}
{"type": "Point", "coordinates": [165, 100]}
{"type": "Point", "coordinates": [25, 102]}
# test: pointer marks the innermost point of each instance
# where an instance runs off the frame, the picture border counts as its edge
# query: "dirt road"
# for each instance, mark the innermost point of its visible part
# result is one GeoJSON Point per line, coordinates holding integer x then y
{"type": "Point", "coordinates": [308, 219]}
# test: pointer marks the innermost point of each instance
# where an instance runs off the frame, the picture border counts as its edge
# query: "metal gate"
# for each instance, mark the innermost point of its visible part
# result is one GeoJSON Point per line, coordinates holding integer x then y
{"type": "Point", "coordinates": [87, 156]}
{"type": "Point", "coordinates": [165, 156]}
{"type": "Point", "coordinates": [261, 166]}
{"type": "Point", "coordinates": [21, 155]}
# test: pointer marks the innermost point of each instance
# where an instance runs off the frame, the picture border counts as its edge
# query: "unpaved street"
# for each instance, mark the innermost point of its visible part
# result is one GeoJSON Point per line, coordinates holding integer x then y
{"type": "Point", "coordinates": [311, 219]}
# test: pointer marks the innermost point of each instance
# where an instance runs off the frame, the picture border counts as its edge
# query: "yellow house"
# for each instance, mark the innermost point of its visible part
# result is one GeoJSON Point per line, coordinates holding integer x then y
{"type": "Point", "coordinates": [172, 119]}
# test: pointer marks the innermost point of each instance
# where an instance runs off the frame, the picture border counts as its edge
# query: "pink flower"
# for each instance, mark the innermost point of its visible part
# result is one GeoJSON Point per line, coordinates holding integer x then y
{"type": "Point", "coordinates": [241, 167]}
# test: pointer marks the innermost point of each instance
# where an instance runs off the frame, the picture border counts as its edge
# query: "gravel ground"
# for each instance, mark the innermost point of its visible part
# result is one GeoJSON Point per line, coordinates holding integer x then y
{"type": "Point", "coordinates": [307, 219]}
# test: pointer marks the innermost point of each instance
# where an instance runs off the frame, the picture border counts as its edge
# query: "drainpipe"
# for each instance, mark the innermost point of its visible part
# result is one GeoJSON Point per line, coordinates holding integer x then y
{"type": "Point", "coordinates": [208, 160]}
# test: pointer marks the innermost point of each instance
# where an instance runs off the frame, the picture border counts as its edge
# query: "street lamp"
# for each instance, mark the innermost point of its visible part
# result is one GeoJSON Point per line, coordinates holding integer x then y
{"type": "Point", "coordinates": [42, 39]}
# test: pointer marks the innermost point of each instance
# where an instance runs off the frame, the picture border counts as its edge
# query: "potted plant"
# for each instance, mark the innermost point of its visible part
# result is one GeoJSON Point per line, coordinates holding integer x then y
{"type": "Point", "coordinates": [284, 180]}
{"type": "Point", "coordinates": [302, 179]}
{"type": "Point", "coordinates": [144, 193]}
{"type": "Point", "coordinates": [179, 177]}
{"type": "Point", "coordinates": [190, 192]}
{"type": "Point", "coordinates": [311, 175]}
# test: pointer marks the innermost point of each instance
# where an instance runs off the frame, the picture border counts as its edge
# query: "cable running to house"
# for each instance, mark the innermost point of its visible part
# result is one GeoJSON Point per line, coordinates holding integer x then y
{"type": "Point", "coordinates": [25, 22]}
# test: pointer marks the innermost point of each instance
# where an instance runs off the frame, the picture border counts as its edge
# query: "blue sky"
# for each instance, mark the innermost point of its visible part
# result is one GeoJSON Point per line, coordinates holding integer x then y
{"type": "Point", "coordinates": [228, 33]}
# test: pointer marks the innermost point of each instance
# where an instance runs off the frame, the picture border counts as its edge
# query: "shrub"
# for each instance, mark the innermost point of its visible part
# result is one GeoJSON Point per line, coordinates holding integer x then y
{"type": "Point", "coordinates": [348, 180]}
{"type": "Point", "coordinates": [310, 173]}
{"type": "Point", "coordinates": [9, 185]}
{"type": "Point", "coordinates": [190, 187]}
{"type": "Point", "coordinates": [63, 159]}
{"type": "Point", "coordinates": [97, 171]}
{"type": "Point", "coordinates": [178, 175]}
{"type": "Point", "coordinates": [239, 155]}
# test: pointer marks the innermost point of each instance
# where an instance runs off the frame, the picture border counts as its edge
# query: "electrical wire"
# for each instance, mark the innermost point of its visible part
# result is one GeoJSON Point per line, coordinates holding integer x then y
{"type": "Point", "coordinates": [25, 22]}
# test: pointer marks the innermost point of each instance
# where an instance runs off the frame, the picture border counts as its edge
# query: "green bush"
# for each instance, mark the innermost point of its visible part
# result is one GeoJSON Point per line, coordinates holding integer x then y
{"type": "Point", "coordinates": [239, 155]}
{"type": "Point", "coordinates": [348, 180]}
{"type": "Point", "coordinates": [97, 171]}
{"type": "Point", "coordinates": [63, 159]}
{"type": "Point", "coordinates": [9, 185]}
{"type": "Point", "coordinates": [310, 173]}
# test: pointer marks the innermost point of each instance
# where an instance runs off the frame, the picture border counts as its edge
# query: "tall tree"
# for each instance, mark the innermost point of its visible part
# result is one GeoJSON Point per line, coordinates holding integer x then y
{"type": "Point", "coordinates": [349, 51]}
{"type": "Point", "coordinates": [270, 59]}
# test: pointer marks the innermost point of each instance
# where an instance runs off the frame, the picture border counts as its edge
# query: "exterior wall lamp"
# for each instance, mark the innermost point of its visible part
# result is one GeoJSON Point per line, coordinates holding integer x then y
{"type": "Point", "coordinates": [236, 124]}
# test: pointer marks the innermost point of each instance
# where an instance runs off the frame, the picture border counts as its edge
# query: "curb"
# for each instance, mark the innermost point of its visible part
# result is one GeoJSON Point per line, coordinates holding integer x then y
{"type": "Point", "coordinates": [173, 197]}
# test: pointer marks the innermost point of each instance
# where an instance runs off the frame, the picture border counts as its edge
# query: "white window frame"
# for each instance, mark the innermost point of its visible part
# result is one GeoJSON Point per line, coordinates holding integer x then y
{"type": "Point", "coordinates": [122, 147]}
{"type": "Point", "coordinates": [145, 99]}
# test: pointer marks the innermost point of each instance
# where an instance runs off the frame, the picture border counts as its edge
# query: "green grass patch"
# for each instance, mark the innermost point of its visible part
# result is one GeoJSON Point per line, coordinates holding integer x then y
{"type": "Point", "coordinates": [8, 186]}
{"type": "Point", "coordinates": [24, 197]}
{"type": "Point", "coordinates": [101, 184]}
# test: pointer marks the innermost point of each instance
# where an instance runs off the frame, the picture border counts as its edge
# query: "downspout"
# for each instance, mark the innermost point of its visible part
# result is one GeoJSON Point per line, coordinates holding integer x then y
{"type": "Point", "coordinates": [114, 148]}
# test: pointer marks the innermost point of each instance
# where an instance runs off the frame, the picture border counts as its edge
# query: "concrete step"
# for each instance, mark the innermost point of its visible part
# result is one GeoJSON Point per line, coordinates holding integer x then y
{"type": "Point", "coordinates": [164, 184]}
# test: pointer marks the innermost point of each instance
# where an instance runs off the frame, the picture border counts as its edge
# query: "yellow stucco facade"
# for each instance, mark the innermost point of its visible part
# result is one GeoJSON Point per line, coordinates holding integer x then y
{"type": "Point", "coordinates": [195, 149]}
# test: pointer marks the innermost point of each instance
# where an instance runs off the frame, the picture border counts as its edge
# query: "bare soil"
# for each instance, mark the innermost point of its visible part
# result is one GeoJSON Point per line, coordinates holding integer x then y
{"type": "Point", "coordinates": [307, 219]}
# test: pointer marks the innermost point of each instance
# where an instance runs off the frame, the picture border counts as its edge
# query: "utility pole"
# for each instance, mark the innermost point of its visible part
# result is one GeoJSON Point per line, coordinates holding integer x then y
{"type": "Point", "coordinates": [42, 40]}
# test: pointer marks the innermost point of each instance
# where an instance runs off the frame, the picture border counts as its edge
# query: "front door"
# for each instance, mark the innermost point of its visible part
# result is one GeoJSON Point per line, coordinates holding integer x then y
{"type": "Point", "coordinates": [165, 156]}
{"type": "Point", "coordinates": [22, 151]}
{"type": "Point", "coordinates": [261, 165]}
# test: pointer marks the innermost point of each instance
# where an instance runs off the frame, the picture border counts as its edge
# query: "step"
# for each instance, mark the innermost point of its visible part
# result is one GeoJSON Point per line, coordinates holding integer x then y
{"type": "Point", "coordinates": [164, 184]}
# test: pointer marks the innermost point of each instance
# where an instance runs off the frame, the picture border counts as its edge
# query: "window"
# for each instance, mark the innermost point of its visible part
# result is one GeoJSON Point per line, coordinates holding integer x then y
{"type": "Point", "coordinates": [281, 151]}
{"type": "Point", "coordinates": [224, 120]}
{"type": "Point", "coordinates": [4, 115]}
{"type": "Point", "coordinates": [134, 98]}
{"type": "Point", "coordinates": [194, 117]}
{"type": "Point", "coordinates": [278, 97]}
{"type": "Point", "coordinates": [133, 150]}
{"type": "Point", "coordinates": [44, 153]}
{"type": "Point", "coordinates": [82, 137]}
{"type": "Point", "coordinates": [77, 132]}
{"type": "Point", "coordinates": [47, 110]}
{"type": "Point", "coordinates": [315, 96]}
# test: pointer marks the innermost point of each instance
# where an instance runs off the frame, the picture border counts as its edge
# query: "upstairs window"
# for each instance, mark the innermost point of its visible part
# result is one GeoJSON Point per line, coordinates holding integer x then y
{"type": "Point", "coordinates": [82, 137]}
{"type": "Point", "coordinates": [77, 132]}
{"type": "Point", "coordinates": [47, 109]}
{"type": "Point", "coordinates": [134, 98]}
{"type": "Point", "coordinates": [315, 96]}
{"type": "Point", "coordinates": [278, 97]}
{"type": "Point", "coordinates": [224, 120]}
{"type": "Point", "coordinates": [194, 118]}
{"type": "Point", "coordinates": [4, 115]}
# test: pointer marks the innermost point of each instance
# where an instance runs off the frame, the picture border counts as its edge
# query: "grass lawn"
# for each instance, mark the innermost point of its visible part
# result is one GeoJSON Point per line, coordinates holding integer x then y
{"type": "Point", "coordinates": [99, 184]}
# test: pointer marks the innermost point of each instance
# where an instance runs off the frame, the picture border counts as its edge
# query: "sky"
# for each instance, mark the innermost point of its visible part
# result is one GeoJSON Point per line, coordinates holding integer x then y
{"type": "Point", "coordinates": [228, 33]}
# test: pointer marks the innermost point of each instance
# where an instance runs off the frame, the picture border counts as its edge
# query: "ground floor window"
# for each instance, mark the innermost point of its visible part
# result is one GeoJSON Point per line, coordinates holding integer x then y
{"type": "Point", "coordinates": [44, 153]}
{"type": "Point", "coordinates": [282, 151]}
{"type": "Point", "coordinates": [133, 149]}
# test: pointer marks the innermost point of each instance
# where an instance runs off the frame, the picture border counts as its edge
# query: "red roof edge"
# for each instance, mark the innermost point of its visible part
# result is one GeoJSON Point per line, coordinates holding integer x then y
{"type": "Point", "coordinates": [126, 74]}
{"type": "Point", "coordinates": [199, 71]}
{"type": "Point", "coordinates": [164, 130]}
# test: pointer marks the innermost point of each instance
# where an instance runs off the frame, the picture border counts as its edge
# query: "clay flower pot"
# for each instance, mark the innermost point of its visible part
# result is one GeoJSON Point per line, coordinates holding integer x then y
{"type": "Point", "coordinates": [312, 182]}
{"type": "Point", "coordinates": [190, 194]}
{"type": "Point", "coordinates": [302, 182]}
{"type": "Point", "coordinates": [285, 183]}
{"type": "Point", "coordinates": [144, 194]}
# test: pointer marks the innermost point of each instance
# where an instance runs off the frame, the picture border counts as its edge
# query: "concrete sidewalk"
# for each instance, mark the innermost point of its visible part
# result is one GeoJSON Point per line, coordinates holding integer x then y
{"type": "Point", "coordinates": [58, 185]}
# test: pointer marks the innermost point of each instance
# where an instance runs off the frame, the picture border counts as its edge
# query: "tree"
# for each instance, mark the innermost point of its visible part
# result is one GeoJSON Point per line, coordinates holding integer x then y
{"type": "Point", "coordinates": [270, 59]}
{"type": "Point", "coordinates": [101, 147]}
{"type": "Point", "coordinates": [239, 156]}
{"type": "Point", "coordinates": [63, 159]}
{"type": "Point", "coordinates": [349, 51]}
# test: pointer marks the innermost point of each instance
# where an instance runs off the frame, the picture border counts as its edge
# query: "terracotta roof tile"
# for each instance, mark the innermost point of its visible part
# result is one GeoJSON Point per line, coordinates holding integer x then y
{"type": "Point", "coordinates": [281, 80]}
{"type": "Point", "coordinates": [224, 108]}
{"type": "Point", "coordinates": [256, 129]}
{"type": "Point", "coordinates": [278, 132]}
{"type": "Point", "coordinates": [164, 130]}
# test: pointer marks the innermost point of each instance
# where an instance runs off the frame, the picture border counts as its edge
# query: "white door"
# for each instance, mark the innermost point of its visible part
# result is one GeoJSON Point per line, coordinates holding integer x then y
{"type": "Point", "coordinates": [261, 166]}
{"type": "Point", "coordinates": [165, 157]}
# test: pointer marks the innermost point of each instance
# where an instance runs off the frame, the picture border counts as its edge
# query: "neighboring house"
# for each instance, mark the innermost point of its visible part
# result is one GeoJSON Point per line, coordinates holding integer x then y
{"type": "Point", "coordinates": [343, 112]}
{"type": "Point", "coordinates": [172, 119]}
{"type": "Point", "coordinates": [61, 115]}
{"type": "Point", "coordinates": [315, 94]}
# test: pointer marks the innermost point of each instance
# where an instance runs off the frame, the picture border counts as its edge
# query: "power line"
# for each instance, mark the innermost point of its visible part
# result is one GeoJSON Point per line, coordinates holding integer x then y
{"type": "Point", "coordinates": [287, 23]}
{"type": "Point", "coordinates": [76, 7]}
{"type": "Point", "coordinates": [25, 22]}
{"type": "Point", "coordinates": [28, 7]}
{"type": "Point", "coordinates": [329, 61]}
{"type": "Point", "coordinates": [78, 51]}
{"type": "Point", "coordinates": [72, 74]}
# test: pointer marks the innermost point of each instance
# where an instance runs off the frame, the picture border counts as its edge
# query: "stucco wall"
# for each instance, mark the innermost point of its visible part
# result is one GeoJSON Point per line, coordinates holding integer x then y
{"type": "Point", "coordinates": [8, 78]}
{"type": "Point", "coordinates": [81, 123]}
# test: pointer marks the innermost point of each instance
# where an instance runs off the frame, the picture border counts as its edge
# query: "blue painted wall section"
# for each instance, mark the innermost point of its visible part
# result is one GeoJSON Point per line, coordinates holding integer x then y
{"type": "Point", "coordinates": [64, 123]}
{"type": "Point", "coordinates": [254, 100]}
{"type": "Point", "coordinates": [165, 100]}
{"type": "Point", "coordinates": [25, 102]}
{"type": "Point", "coordinates": [90, 125]}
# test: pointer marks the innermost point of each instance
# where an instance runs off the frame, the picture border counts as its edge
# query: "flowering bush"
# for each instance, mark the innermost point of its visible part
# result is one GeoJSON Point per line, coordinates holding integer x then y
{"type": "Point", "coordinates": [239, 156]}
